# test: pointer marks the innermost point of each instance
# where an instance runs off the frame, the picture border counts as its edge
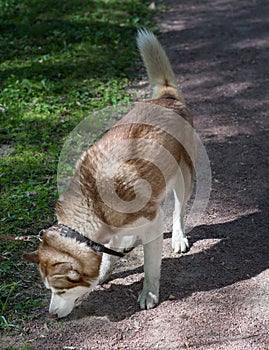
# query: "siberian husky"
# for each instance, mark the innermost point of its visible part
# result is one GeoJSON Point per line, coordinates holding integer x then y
{"type": "Point", "coordinates": [116, 193]}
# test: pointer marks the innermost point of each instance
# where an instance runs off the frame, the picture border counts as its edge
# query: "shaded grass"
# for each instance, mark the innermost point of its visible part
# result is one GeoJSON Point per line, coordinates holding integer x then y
{"type": "Point", "coordinates": [59, 62]}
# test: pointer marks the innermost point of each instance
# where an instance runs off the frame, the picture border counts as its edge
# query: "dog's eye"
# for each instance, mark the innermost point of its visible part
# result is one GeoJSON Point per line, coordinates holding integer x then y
{"type": "Point", "coordinates": [61, 292]}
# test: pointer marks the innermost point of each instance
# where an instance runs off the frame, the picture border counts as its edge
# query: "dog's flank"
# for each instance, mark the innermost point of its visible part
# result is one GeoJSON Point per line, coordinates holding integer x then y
{"type": "Point", "coordinates": [117, 191]}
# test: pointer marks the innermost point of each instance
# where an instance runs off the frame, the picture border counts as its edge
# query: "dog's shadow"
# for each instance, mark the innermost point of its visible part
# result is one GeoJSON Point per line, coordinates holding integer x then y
{"type": "Point", "coordinates": [240, 253]}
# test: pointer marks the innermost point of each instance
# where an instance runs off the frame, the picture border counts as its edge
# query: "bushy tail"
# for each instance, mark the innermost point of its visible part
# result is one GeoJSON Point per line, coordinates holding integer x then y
{"type": "Point", "coordinates": [160, 73]}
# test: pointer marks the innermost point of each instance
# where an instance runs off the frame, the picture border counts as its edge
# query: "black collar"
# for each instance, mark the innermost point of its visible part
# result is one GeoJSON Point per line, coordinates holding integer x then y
{"type": "Point", "coordinates": [66, 231]}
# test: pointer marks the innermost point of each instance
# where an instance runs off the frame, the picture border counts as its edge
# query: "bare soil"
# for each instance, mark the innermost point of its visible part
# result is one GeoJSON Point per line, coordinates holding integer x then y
{"type": "Point", "coordinates": [217, 295]}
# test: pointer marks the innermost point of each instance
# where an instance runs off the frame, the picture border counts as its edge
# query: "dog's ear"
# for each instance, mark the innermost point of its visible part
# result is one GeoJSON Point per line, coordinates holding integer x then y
{"type": "Point", "coordinates": [31, 257]}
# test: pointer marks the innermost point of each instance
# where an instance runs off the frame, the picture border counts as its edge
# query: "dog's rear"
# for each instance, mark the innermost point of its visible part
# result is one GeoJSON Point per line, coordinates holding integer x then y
{"type": "Point", "coordinates": [160, 73]}
{"type": "Point", "coordinates": [166, 93]}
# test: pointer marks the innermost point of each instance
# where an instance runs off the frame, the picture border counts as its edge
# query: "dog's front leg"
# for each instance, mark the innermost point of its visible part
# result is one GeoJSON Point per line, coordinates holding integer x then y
{"type": "Point", "coordinates": [119, 243]}
{"type": "Point", "coordinates": [149, 296]}
{"type": "Point", "coordinates": [106, 268]}
{"type": "Point", "coordinates": [108, 261]}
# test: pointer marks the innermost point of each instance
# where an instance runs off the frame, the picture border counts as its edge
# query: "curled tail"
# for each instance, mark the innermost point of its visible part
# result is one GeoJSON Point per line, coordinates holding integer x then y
{"type": "Point", "coordinates": [160, 73]}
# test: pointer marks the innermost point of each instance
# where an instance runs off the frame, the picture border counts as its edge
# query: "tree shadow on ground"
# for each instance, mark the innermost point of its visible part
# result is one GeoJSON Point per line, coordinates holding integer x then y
{"type": "Point", "coordinates": [240, 253]}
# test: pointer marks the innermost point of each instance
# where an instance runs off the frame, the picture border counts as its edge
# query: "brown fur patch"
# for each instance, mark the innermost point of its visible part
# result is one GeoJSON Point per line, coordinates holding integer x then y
{"type": "Point", "coordinates": [100, 157]}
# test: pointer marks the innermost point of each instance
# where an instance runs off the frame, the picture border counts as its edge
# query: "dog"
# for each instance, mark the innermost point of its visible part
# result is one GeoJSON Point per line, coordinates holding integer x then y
{"type": "Point", "coordinates": [115, 196]}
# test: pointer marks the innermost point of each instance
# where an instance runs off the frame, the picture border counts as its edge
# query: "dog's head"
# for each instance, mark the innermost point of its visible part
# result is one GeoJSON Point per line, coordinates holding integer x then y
{"type": "Point", "coordinates": [68, 268]}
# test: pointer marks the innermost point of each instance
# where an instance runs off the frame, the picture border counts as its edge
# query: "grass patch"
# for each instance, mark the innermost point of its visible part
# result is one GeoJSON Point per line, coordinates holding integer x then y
{"type": "Point", "coordinates": [60, 61]}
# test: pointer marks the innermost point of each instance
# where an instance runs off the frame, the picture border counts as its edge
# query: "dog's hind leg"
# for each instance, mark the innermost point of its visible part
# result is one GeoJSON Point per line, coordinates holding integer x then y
{"type": "Point", "coordinates": [179, 240]}
{"type": "Point", "coordinates": [182, 191]}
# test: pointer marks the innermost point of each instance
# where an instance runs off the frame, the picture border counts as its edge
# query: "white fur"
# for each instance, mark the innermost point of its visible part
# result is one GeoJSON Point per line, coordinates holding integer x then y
{"type": "Point", "coordinates": [62, 304]}
{"type": "Point", "coordinates": [149, 296]}
{"type": "Point", "coordinates": [150, 233]}
{"type": "Point", "coordinates": [156, 61]}
{"type": "Point", "coordinates": [120, 244]}
{"type": "Point", "coordinates": [179, 240]}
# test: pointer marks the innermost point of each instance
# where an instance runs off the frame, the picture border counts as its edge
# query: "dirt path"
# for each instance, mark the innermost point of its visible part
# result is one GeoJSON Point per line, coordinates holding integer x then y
{"type": "Point", "coordinates": [219, 291]}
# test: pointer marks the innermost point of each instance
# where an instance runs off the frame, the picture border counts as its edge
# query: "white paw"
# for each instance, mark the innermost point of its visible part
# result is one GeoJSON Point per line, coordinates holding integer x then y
{"type": "Point", "coordinates": [180, 244]}
{"type": "Point", "coordinates": [147, 299]}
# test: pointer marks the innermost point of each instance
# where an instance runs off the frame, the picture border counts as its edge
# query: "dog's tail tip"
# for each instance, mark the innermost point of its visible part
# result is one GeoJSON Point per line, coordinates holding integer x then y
{"type": "Point", "coordinates": [143, 35]}
{"type": "Point", "coordinates": [158, 67]}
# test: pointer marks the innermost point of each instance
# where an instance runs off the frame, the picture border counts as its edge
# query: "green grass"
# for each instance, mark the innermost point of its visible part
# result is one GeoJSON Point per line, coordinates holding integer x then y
{"type": "Point", "coordinates": [60, 61]}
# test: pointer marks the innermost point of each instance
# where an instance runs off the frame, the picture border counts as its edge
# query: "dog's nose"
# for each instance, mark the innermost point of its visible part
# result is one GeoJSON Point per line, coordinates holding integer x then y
{"type": "Point", "coordinates": [53, 316]}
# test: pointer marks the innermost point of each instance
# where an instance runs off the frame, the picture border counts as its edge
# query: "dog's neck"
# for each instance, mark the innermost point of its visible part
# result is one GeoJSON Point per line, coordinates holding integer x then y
{"type": "Point", "coordinates": [65, 231]}
{"type": "Point", "coordinates": [73, 210]}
